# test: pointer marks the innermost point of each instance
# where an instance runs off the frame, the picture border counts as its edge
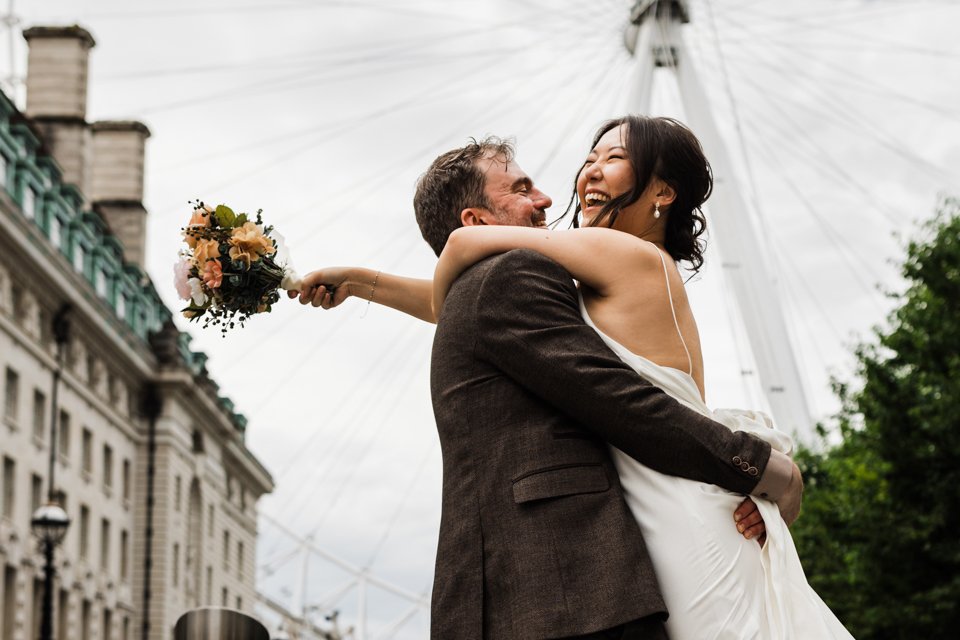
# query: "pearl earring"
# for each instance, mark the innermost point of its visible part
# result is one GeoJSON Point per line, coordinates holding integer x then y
{"type": "Point", "coordinates": [656, 210]}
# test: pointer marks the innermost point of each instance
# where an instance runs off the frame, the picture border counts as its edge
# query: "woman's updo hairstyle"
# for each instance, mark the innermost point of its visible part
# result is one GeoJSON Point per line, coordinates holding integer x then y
{"type": "Point", "coordinates": [664, 148]}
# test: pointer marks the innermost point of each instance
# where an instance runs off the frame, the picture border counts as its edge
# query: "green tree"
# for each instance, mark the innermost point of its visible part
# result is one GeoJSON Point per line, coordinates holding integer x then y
{"type": "Point", "coordinates": [879, 534]}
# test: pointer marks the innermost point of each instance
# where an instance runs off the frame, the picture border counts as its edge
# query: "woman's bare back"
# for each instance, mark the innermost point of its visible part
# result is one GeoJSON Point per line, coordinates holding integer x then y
{"type": "Point", "coordinates": [636, 312]}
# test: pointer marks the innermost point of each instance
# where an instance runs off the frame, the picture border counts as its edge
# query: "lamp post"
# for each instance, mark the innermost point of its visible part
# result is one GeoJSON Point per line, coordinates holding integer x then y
{"type": "Point", "coordinates": [50, 521]}
{"type": "Point", "coordinates": [49, 524]}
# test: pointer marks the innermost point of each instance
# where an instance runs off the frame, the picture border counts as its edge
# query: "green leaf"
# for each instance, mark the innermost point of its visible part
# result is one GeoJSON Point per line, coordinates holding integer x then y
{"type": "Point", "coordinates": [241, 220]}
{"type": "Point", "coordinates": [225, 216]}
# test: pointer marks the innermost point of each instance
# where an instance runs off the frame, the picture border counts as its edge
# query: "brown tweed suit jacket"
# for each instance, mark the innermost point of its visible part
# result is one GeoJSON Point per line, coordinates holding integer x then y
{"type": "Point", "coordinates": [536, 540]}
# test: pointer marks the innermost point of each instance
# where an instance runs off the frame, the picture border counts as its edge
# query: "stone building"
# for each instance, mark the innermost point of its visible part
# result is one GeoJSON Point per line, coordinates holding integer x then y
{"type": "Point", "coordinates": [151, 465]}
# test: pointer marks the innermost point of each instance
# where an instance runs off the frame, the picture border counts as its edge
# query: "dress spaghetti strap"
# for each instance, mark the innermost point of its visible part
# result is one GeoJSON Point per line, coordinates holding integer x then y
{"type": "Point", "coordinates": [674, 312]}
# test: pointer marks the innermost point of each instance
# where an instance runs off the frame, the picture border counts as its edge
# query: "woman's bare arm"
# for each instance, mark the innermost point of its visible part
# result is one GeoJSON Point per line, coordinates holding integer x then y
{"type": "Point", "coordinates": [330, 286]}
{"type": "Point", "coordinates": [599, 258]}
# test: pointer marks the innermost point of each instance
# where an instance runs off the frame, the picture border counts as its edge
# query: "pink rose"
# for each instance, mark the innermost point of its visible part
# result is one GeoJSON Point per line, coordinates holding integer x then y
{"type": "Point", "coordinates": [181, 271]}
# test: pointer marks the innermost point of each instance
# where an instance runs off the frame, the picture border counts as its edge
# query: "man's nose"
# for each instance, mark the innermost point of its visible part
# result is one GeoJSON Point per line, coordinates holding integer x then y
{"type": "Point", "coordinates": [543, 200]}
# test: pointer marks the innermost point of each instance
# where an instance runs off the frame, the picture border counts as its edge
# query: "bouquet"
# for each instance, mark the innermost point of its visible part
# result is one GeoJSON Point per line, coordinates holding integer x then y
{"type": "Point", "coordinates": [232, 268]}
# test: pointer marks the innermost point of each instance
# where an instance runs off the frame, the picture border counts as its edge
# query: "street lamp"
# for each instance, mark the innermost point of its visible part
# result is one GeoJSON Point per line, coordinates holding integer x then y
{"type": "Point", "coordinates": [50, 521]}
{"type": "Point", "coordinates": [49, 524]}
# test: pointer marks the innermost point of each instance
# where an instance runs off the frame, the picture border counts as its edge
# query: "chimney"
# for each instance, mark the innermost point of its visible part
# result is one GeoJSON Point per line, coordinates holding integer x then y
{"type": "Point", "coordinates": [116, 182]}
{"type": "Point", "coordinates": [57, 95]}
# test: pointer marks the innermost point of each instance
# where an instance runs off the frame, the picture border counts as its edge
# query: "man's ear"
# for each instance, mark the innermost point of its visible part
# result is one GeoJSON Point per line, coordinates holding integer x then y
{"type": "Point", "coordinates": [475, 216]}
{"type": "Point", "coordinates": [665, 193]}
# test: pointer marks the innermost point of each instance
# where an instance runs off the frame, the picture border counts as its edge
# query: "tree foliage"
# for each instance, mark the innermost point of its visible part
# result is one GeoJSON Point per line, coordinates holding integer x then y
{"type": "Point", "coordinates": [880, 531]}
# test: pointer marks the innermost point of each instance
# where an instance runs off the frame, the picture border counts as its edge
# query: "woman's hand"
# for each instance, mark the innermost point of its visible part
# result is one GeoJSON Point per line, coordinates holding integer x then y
{"type": "Point", "coordinates": [749, 521]}
{"type": "Point", "coordinates": [329, 287]}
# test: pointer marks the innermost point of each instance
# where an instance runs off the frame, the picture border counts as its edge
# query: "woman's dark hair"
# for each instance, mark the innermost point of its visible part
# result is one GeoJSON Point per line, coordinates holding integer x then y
{"type": "Point", "coordinates": [662, 148]}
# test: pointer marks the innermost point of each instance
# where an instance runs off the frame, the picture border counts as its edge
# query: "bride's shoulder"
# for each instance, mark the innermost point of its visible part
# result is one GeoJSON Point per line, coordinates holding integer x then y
{"type": "Point", "coordinates": [621, 245]}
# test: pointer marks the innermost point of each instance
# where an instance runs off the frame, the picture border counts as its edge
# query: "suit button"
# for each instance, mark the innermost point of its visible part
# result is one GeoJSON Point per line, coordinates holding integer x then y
{"type": "Point", "coordinates": [737, 460]}
{"type": "Point", "coordinates": [745, 465]}
{"type": "Point", "coordinates": [753, 471]}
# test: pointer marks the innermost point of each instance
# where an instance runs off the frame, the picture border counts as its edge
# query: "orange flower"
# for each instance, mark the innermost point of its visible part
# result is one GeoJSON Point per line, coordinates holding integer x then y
{"type": "Point", "coordinates": [204, 251]}
{"type": "Point", "coordinates": [200, 218]}
{"type": "Point", "coordinates": [247, 244]}
{"type": "Point", "coordinates": [213, 274]}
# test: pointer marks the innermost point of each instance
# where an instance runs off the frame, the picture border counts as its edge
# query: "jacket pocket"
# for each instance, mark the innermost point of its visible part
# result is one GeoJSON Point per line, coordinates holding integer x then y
{"type": "Point", "coordinates": [555, 482]}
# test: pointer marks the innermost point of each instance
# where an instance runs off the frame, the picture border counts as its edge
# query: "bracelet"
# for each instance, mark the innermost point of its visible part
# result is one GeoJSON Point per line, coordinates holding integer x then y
{"type": "Point", "coordinates": [373, 289]}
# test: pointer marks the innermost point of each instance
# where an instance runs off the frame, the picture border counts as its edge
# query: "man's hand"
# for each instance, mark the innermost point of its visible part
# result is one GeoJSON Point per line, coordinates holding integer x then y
{"type": "Point", "coordinates": [750, 522]}
{"type": "Point", "coordinates": [789, 503]}
{"type": "Point", "coordinates": [325, 288]}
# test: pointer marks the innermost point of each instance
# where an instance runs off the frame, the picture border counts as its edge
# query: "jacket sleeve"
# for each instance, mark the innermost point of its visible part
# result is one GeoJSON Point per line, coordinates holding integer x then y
{"type": "Point", "coordinates": [530, 328]}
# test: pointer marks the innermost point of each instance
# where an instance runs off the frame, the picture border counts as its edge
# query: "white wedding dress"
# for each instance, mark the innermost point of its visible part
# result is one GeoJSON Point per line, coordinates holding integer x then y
{"type": "Point", "coordinates": [717, 584]}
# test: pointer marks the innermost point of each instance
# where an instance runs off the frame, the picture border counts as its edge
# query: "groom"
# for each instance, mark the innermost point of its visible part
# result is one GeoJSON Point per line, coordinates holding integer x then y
{"type": "Point", "coordinates": [536, 540]}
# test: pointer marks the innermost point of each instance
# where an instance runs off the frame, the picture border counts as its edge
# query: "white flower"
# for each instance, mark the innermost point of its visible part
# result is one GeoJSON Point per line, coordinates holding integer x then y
{"type": "Point", "coordinates": [196, 292]}
{"type": "Point", "coordinates": [282, 256]}
{"type": "Point", "coordinates": [291, 280]}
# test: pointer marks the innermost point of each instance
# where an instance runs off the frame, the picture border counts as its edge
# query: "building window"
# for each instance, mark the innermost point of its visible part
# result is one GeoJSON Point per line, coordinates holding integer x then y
{"type": "Point", "coordinates": [209, 599]}
{"type": "Point", "coordinates": [226, 550]}
{"type": "Point", "coordinates": [240, 560]}
{"type": "Point", "coordinates": [17, 307]}
{"type": "Point", "coordinates": [122, 306]}
{"type": "Point", "coordinates": [39, 414]}
{"type": "Point", "coordinates": [79, 257]}
{"type": "Point", "coordinates": [197, 441]}
{"type": "Point", "coordinates": [11, 395]}
{"type": "Point", "coordinates": [126, 480]}
{"type": "Point", "coordinates": [210, 511]}
{"type": "Point", "coordinates": [55, 235]}
{"type": "Point", "coordinates": [3, 170]}
{"type": "Point", "coordinates": [36, 493]}
{"type": "Point", "coordinates": [176, 564]}
{"type": "Point", "coordinates": [124, 552]}
{"type": "Point", "coordinates": [229, 489]}
{"type": "Point", "coordinates": [176, 493]}
{"type": "Point", "coordinates": [101, 283]}
{"type": "Point", "coordinates": [64, 436]}
{"type": "Point", "coordinates": [63, 613]}
{"type": "Point", "coordinates": [107, 624]}
{"type": "Point", "coordinates": [86, 465]}
{"type": "Point", "coordinates": [85, 614]}
{"type": "Point", "coordinates": [93, 372]}
{"type": "Point", "coordinates": [125, 635]}
{"type": "Point", "coordinates": [107, 469]}
{"type": "Point", "coordinates": [105, 544]}
{"type": "Point", "coordinates": [84, 531]}
{"type": "Point", "coordinates": [239, 603]}
{"type": "Point", "coordinates": [243, 498]}
{"type": "Point", "coordinates": [9, 490]}
{"type": "Point", "coordinates": [29, 203]}
{"type": "Point", "coordinates": [224, 596]}
{"type": "Point", "coordinates": [113, 394]}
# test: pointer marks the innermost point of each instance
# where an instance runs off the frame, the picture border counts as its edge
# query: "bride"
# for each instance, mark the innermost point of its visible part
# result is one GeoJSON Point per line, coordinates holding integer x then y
{"type": "Point", "coordinates": [638, 198]}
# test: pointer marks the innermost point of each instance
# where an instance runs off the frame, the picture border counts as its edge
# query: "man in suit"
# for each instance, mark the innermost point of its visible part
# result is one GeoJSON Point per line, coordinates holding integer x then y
{"type": "Point", "coordinates": [536, 540]}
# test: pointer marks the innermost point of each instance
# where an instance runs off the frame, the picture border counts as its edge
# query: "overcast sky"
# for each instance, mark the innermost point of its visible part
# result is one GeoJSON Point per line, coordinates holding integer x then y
{"type": "Point", "coordinates": [323, 113]}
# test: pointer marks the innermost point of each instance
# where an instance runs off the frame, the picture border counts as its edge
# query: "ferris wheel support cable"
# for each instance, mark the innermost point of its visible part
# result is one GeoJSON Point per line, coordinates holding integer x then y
{"type": "Point", "coordinates": [882, 137]}
{"type": "Point", "coordinates": [503, 106]}
{"type": "Point", "coordinates": [327, 470]}
{"type": "Point", "coordinates": [358, 462]}
{"type": "Point", "coordinates": [401, 505]}
{"type": "Point", "coordinates": [590, 99]}
{"type": "Point", "coordinates": [825, 157]}
{"type": "Point", "coordinates": [349, 567]}
{"type": "Point", "coordinates": [829, 232]}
